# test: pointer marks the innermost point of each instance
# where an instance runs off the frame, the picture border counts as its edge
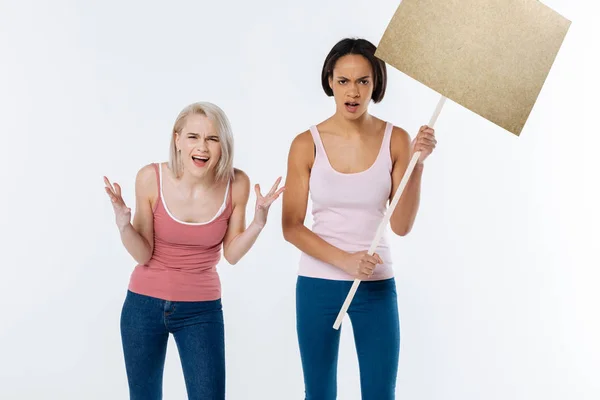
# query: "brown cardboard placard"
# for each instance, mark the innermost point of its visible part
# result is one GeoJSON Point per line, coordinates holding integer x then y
{"type": "Point", "coordinates": [490, 56]}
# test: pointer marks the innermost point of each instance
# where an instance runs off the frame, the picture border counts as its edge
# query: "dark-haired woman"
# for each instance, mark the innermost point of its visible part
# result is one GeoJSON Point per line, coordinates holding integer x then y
{"type": "Point", "coordinates": [351, 165]}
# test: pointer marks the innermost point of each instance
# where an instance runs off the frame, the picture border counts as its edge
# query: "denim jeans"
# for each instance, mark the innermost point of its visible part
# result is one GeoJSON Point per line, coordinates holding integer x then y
{"type": "Point", "coordinates": [375, 323]}
{"type": "Point", "coordinates": [197, 327]}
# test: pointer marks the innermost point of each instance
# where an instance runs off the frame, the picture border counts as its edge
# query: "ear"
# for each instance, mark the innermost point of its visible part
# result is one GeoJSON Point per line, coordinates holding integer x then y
{"type": "Point", "coordinates": [330, 79]}
{"type": "Point", "coordinates": [177, 137]}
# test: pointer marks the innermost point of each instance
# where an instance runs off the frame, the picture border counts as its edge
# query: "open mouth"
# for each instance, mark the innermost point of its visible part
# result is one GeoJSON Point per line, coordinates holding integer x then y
{"type": "Point", "coordinates": [351, 106]}
{"type": "Point", "coordinates": [199, 161]}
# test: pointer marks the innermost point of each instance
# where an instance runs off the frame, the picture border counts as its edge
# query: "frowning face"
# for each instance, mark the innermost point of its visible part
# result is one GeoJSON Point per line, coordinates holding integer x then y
{"type": "Point", "coordinates": [199, 146]}
{"type": "Point", "coordinates": [352, 85]}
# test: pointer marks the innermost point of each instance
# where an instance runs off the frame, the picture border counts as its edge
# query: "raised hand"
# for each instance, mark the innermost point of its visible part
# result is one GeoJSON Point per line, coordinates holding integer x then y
{"type": "Point", "coordinates": [122, 212]}
{"type": "Point", "coordinates": [424, 142]}
{"type": "Point", "coordinates": [261, 210]}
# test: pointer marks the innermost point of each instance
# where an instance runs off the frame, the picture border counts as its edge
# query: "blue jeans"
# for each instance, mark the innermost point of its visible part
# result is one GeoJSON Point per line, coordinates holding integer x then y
{"type": "Point", "coordinates": [197, 327]}
{"type": "Point", "coordinates": [376, 327]}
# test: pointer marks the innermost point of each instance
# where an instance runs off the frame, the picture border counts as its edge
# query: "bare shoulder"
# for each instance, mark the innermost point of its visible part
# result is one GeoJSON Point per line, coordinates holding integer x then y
{"type": "Point", "coordinates": [302, 148]}
{"type": "Point", "coordinates": [240, 177]}
{"type": "Point", "coordinates": [303, 140]}
{"type": "Point", "coordinates": [145, 180]}
{"type": "Point", "coordinates": [400, 135]}
{"type": "Point", "coordinates": [240, 187]}
{"type": "Point", "coordinates": [399, 142]}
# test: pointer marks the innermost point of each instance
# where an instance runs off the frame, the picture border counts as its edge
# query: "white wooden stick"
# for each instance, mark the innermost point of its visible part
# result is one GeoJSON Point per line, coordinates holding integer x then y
{"type": "Point", "coordinates": [388, 215]}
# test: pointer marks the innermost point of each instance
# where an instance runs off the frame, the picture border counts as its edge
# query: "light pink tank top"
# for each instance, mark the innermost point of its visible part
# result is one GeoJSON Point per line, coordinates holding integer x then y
{"type": "Point", "coordinates": [183, 266]}
{"type": "Point", "coordinates": [348, 208]}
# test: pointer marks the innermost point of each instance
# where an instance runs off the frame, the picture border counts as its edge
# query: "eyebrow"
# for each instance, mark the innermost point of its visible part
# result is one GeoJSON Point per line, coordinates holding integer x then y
{"type": "Point", "coordinates": [197, 134]}
{"type": "Point", "coordinates": [361, 78]}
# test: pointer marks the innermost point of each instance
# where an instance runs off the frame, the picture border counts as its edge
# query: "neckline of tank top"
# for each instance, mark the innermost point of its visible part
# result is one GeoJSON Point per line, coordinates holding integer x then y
{"type": "Point", "coordinates": [164, 204]}
{"type": "Point", "coordinates": [388, 127]}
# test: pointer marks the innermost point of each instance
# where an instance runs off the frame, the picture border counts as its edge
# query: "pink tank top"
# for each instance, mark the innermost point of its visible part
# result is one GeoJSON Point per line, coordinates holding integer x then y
{"type": "Point", "coordinates": [348, 208]}
{"type": "Point", "coordinates": [185, 256]}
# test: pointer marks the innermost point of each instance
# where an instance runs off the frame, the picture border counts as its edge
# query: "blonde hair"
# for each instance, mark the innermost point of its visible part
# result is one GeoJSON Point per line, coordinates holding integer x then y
{"type": "Point", "coordinates": [224, 170]}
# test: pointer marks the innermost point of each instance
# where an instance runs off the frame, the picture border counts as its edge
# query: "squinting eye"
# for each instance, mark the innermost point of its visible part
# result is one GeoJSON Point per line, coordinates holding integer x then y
{"type": "Point", "coordinates": [341, 82]}
{"type": "Point", "coordinates": [364, 82]}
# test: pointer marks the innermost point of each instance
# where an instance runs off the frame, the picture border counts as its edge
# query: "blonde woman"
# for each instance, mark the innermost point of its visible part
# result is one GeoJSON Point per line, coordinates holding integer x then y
{"type": "Point", "coordinates": [187, 211]}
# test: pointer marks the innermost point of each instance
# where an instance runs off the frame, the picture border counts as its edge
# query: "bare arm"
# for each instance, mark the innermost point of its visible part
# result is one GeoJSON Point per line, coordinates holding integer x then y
{"type": "Point", "coordinates": [295, 200]}
{"type": "Point", "coordinates": [239, 239]}
{"type": "Point", "coordinates": [137, 237]}
{"type": "Point", "coordinates": [404, 215]}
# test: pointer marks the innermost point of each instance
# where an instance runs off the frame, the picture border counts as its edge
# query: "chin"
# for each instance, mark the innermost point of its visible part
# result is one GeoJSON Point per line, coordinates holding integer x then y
{"type": "Point", "coordinates": [198, 172]}
{"type": "Point", "coordinates": [353, 116]}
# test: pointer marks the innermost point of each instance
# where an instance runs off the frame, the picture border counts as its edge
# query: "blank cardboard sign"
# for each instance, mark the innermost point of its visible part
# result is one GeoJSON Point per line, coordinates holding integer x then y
{"type": "Point", "coordinates": [490, 56]}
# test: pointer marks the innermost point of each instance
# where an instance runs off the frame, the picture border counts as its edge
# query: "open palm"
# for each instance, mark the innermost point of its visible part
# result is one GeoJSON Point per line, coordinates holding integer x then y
{"type": "Point", "coordinates": [263, 203]}
{"type": "Point", "coordinates": [122, 212]}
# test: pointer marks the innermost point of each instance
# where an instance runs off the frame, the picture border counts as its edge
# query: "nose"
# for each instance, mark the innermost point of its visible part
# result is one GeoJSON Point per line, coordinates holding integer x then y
{"type": "Point", "coordinates": [353, 91]}
{"type": "Point", "coordinates": [202, 145]}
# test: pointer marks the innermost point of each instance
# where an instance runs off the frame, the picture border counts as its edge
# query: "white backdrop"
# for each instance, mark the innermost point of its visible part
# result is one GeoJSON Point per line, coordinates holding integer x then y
{"type": "Point", "coordinates": [497, 282]}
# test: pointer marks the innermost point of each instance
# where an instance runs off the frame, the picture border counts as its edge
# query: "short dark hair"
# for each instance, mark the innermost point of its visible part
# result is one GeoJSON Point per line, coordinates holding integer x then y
{"type": "Point", "coordinates": [360, 47]}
